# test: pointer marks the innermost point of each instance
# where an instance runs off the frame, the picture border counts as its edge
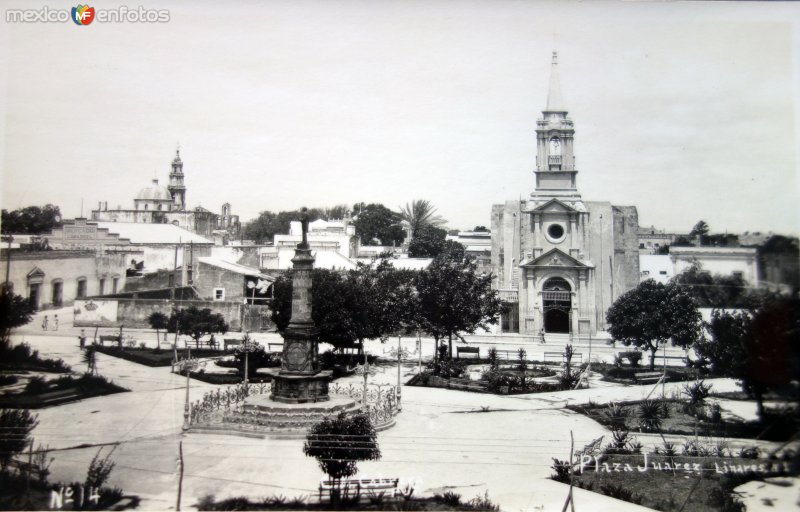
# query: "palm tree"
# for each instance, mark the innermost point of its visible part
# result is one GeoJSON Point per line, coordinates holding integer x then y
{"type": "Point", "coordinates": [420, 213]}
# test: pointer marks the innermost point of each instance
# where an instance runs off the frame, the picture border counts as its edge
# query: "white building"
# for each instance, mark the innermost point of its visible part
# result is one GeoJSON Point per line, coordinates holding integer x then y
{"type": "Point", "coordinates": [715, 260]}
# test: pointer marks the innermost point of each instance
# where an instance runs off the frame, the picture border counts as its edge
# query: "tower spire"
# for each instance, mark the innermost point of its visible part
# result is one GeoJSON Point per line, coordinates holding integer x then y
{"type": "Point", "coordinates": [554, 102]}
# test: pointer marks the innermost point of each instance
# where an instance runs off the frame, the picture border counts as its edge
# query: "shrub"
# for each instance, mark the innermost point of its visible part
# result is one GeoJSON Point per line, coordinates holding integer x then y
{"type": "Point", "coordinates": [483, 503]}
{"type": "Point", "coordinates": [522, 365]}
{"type": "Point", "coordinates": [633, 357]}
{"type": "Point", "coordinates": [716, 413]}
{"type": "Point", "coordinates": [619, 492]}
{"type": "Point", "coordinates": [448, 369]}
{"type": "Point", "coordinates": [668, 449]}
{"type": "Point", "coordinates": [21, 422]}
{"type": "Point", "coordinates": [616, 415]}
{"type": "Point", "coordinates": [725, 501]}
{"type": "Point", "coordinates": [36, 386]}
{"type": "Point", "coordinates": [99, 470]}
{"type": "Point", "coordinates": [448, 498]}
{"type": "Point", "coordinates": [207, 502]}
{"type": "Point", "coordinates": [619, 443]}
{"type": "Point", "coordinates": [749, 452]}
{"type": "Point", "coordinates": [649, 415]}
{"type": "Point", "coordinates": [563, 470]}
{"type": "Point", "coordinates": [494, 361]}
{"type": "Point", "coordinates": [7, 380]}
{"type": "Point", "coordinates": [697, 392]}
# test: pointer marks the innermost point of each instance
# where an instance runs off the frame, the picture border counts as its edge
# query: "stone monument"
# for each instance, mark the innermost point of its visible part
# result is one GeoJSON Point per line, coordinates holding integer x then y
{"type": "Point", "coordinates": [300, 379]}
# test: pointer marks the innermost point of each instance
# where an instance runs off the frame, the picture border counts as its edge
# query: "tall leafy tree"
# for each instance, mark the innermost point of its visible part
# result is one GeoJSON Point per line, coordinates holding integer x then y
{"type": "Point", "coordinates": [651, 314]}
{"type": "Point", "coordinates": [197, 323]}
{"type": "Point", "coordinates": [31, 220]}
{"type": "Point", "coordinates": [339, 443]}
{"type": "Point", "coordinates": [158, 321]}
{"type": "Point", "coordinates": [455, 299]}
{"type": "Point", "coordinates": [420, 213]}
{"type": "Point", "coordinates": [430, 242]}
{"type": "Point", "coordinates": [263, 228]}
{"type": "Point", "coordinates": [15, 311]}
{"type": "Point", "coordinates": [375, 221]}
{"type": "Point", "coordinates": [699, 229]}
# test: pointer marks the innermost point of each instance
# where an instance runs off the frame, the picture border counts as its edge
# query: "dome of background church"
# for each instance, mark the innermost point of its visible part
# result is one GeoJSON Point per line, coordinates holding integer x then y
{"type": "Point", "coordinates": [154, 192]}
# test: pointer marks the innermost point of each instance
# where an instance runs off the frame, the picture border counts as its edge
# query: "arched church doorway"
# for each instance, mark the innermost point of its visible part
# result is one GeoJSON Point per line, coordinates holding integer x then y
{"type": "Point", "coordinates": [557, 302]}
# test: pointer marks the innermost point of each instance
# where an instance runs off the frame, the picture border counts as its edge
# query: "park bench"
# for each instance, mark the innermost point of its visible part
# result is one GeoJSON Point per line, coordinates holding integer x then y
{"type": "Point", "coordinates": [647, 377]}
{"type": "Point", "coordinates": [508, 355]}
{"type": "Point", "coordinates": [468, 350]}
{"type": "Point", "coordinates": [275, 348]}
{"type": "Point", "coordinates": [577, 357]}
{"type": "Point", "coordinates": [231, 342]}
{"type": "Point", "coordinates": [114, 338]}
{"type": "Point", "coordinates": [363, 488]}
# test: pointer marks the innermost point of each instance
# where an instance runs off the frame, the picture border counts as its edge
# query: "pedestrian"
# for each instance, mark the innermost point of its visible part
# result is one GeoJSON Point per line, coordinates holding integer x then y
{"type": "Point", "coordinates": [55, 322]}
{"type": "Point", "coordinates": [82, 339]}
{"type": "Point", "coordinates": [44, 323]}
{"type": "Point", "coordinates": [541, 333]}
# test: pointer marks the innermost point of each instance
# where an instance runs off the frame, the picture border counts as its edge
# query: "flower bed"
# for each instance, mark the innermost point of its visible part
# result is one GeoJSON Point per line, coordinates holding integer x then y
{"type": "Point", "coordinates": [40, 393]}
{"type": "Point", "coordinates": [154, 357]}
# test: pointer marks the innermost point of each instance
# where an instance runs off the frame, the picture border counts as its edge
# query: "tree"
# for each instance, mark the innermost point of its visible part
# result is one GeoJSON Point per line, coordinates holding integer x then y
{"type": "Point", "coordinates": [15, 311]}
{"type": "Point", "coordinates": [420, 213]}
{"type": "Point", "coordinates": [336, 212]}
{"type": "Point", "coordinates": [699, 230]}
{"type": "Point", "coordinates": [481, 229]}
{"type": "Point", "coordinates": [454, 299]}
{"type": "Point", "coordinates": [197, 323]}
{"type": "Point", "coordinates": [430, 242]}
{"type": "Point", "coordinates": [366, 303]}
{"type": "Point", "coordinates": [376, 221]}
{"type": "Point", "coordinates": [16, 426]}
{"type": "Point", "coordinates": [339, 443]}
{"type": "Point", "coordinates": [31, 220]}
{"type": "Point", "coordinates": [264, 227]}
{"type": "Point", "coordinates": [158, 321]}
{"type": "Point", "coordinates": [653, 313]}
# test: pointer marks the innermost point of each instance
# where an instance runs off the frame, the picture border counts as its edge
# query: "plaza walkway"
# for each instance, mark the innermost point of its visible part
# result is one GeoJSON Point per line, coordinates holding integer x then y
{"type": "Point", "coordinates": [443, 440]}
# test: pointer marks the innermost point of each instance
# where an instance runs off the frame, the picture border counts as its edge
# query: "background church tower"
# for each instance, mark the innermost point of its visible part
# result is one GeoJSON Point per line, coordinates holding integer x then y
{"type": "Point", "coordinates": [176, 186]}
{"type": "Point", "coordinates": [555, 160]}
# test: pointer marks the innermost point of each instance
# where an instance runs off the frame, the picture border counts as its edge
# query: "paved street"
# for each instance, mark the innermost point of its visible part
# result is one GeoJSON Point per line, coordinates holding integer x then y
{"type": "Point", "coordinates": [442, 440]}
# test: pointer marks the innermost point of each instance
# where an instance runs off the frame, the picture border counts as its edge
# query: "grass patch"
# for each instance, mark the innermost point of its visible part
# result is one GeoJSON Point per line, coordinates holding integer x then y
{"type": "Point", "coordinates": [681, 420]}
{"type": "Point", "coordinates": [40, 393]}
{"type": "Point", "coordinates": [155, 357]}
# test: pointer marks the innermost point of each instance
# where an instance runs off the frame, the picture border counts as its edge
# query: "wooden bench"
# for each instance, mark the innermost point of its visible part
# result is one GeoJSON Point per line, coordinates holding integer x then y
{"type": "Point", "coordinates": [468, 350]}
{"type": "Point", "coordinates": [363, 488]}
{"type": "Point", "coordinates": [275, 348]}
{"type": "Point", "coordinates": [647, 377]}
{"type": "Point", "coordinates": [577, 357]}
{"type": "Point", "coordinates": [112, 338]}
{"type": "Point", "coordinates": [508, 355]}
{"type": "Point", "coordinates": [231, 342]}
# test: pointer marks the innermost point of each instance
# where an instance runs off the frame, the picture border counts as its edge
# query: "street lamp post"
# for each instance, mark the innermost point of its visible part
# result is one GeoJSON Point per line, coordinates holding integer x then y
{"type": "Point", "coordinates": [400, 352]}
{"type": "Point", "coordinates": [248, 346]}
{"type": "Point", "coordinates": [188, 364]}
{"type": "Point", "coordinates": [365, 370]}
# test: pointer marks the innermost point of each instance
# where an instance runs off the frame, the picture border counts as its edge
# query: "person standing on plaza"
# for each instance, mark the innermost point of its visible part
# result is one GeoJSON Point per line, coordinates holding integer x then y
{"type": "Point", "coordinates": [541, 333]}
{"type": "Point", "coordinates": [44, 323]}
{"type": "Point", "coordinates": [82, 339]}
{"type": "Point", "coordinates": [55, 322]}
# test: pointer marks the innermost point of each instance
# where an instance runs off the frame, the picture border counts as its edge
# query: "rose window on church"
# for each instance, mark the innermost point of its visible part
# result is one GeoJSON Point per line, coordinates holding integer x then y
{"type": "Point", "coordinates": [556, 233]}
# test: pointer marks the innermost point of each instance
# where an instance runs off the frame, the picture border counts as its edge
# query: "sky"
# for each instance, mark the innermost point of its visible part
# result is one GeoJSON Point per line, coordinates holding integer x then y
{"type": "Point", "coordinates": [687, 111]}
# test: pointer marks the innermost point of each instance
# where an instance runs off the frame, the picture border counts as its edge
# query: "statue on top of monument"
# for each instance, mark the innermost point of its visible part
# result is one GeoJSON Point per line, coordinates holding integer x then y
{"type": "Point", "coordinates": [304, 222]}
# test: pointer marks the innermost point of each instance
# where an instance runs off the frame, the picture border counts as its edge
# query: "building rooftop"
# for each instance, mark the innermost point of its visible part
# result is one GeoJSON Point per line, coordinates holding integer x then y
{"type": "Point", "coordinates": [234, 267]}
{"type": "Point", "coordinates": [142, 233]}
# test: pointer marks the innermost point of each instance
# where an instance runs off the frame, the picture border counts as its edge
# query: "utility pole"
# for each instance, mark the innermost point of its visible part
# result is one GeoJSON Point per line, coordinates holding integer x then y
{"type": "Point", "coordinates": [186, 406]}
{"type": "Point", "coordinates": [180, 475]}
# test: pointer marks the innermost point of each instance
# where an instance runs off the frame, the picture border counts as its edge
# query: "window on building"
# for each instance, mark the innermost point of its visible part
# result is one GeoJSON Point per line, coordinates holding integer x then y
{"type": "Point", "coordinates": [146, 205]}
{"type": "Point", "coordinates": [219, 293]}
{"type": "Point", "coordinates": [641, 246]}
{"type": "Point", "coordinates": [662, 272]}
{"type": "Point", "coordinates": [81, 288]}
{"type": "Point", "coordinates": [115, 285]}
{"type": "Point", "coordinates": [102, 286]}
{"type": "Point", "coordinates": [33, 294]}
{"type": "Point", "coordinates": [645, 272]}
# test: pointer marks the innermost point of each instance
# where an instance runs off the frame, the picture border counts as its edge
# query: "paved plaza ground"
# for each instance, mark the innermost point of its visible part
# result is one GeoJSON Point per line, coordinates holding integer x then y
{"type": "Point", "coordinates": [443, 439]}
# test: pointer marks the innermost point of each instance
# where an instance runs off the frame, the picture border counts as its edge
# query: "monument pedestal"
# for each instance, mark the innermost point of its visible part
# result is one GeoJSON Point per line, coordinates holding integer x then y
{"type": "Point", "coordinates": [300, 389]}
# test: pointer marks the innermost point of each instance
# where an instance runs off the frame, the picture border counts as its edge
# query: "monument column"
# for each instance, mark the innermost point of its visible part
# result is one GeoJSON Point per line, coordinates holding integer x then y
{"type": "Point", "coordinates": [300, 379]}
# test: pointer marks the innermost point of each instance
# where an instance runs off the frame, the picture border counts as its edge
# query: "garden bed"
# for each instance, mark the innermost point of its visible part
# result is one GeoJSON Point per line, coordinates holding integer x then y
{"type": "Point", "coordinates": [665, 483]}
{"type": "Point", "coordinates": [679, 420]}
{"type": "Point", "coordinates": [21, 358]}
{"type": "Point", "coordinates": [154, 357]}
{"type": "Point", "coordinates": [39, 393]}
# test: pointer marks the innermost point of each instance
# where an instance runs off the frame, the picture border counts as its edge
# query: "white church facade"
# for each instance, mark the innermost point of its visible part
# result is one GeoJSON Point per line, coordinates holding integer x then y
{"type": "Point", "coordinates": [561, 261]}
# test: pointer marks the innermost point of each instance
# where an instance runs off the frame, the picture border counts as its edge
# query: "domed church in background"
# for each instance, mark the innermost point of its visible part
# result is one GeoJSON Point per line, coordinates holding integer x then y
{"type": "Point", "coordinates": [159, 204]}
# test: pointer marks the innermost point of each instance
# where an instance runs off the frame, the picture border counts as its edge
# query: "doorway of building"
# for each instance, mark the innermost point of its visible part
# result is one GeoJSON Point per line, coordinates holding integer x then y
{"type": "Point", "coordinates": [57, 298]}
{"type": "Point", "coordinates": [557, 302]}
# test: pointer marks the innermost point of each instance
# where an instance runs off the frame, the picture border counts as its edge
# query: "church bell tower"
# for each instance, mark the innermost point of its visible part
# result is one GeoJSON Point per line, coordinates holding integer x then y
{"type": "Point", "coordinates": [176, 186]}
{"type": "Point", "coordinates": [555, 160]}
